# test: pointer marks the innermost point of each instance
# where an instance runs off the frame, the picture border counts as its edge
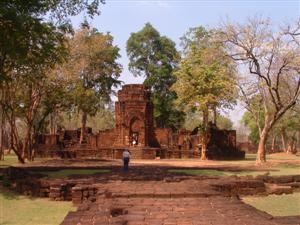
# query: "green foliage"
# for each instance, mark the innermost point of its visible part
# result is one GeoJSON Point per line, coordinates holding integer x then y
{"type": "Point", "coordinates": [31, 45]}
{"type": "Point", "coordinates": [249, 121]}
{"type": "Point", "coordinates": [26, 39]}
{"type": "Point", "coordinates": [224, 123]}
{"type": "Point", "coordinates": [289, 124]}
{"type": "Point", "coordinates": [92, 69]}
{"type": "Point", "coordinates": [206, 77]}
{"type": "Point", "coordinates": [152, 56]}
{"type": "Point", "coordinates": [192, 120]}
{"type": "Point", "coordinates": [103, 120]}
{"type": "Point", "coordinates": [155, 57]}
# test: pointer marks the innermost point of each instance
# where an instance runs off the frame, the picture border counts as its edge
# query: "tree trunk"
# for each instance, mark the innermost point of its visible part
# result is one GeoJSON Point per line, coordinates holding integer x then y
{"type": "Point", "coordinates": [13, 136]}
{"type": "Point", "coordinates": [215, 115]}
{"type": "Point", "coordinates": [83, 128]}
{"type": "Point", "coordinates": [53, 122]}
{"type": "Point", "coordinates": [27, 146]}
{"type": "Point", "coordinates": [204, 135]}
{"type": "Point", "coordinates": [273, 143]}
{"type": "Point", "coordinates": [283, 140]}
{"type": "Point", "coordinates": [261, 151]}
{"type": "Point", "coordinates": [1, 135]}
{"type": "Point", "coordinates": [290, 146]}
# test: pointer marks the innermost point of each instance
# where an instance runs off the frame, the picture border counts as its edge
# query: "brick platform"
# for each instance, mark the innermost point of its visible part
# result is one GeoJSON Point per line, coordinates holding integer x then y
{"type": "Point", "coordinates": [171, 211]}
{"type": "Point", "coordinates": [146, 195]}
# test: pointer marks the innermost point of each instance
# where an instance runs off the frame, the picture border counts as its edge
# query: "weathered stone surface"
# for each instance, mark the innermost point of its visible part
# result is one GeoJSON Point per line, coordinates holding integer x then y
{"type": "Point", "coordinates": [135, 130]}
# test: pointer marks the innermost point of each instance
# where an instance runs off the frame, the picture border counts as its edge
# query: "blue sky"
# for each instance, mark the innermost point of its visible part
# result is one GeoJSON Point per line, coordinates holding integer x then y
{"type": "Point", "coordinates": [173, 18]}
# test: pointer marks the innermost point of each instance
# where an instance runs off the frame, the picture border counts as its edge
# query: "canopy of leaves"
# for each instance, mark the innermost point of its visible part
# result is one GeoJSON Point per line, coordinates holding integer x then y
{"type": "Point", "coordinates": [155, 57]}
{"type": "Point", "coordinates": [224, 123]}
{"type": "Point", "coordinates": [26, 39]}
{"type": "Point", "coordinates": [249, 121]}
{"type": "Point", "coordinates": [92, 69]}
{"type": "Point", "coordinates": [206, 77]}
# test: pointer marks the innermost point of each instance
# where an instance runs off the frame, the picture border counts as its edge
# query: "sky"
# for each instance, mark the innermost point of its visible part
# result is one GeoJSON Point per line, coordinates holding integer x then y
{"type": "Point", "coordinates": [173, 18]}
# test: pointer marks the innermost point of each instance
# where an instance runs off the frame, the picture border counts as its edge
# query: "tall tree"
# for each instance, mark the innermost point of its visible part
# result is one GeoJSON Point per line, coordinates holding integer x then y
{"type": "Point", "coordinates": [155, 57]}
{"type": "Point", "coordinates": [206, 77]}
{"type": "Point", "coordinates": [272, 60]}
{"type": "Point", "coordinates": [93, 71]}
{"type": "Point", "coordinates": [30, 45]}
{"type": "Point", "coordinates": [24, 84]}
{"type": "Point", "coordinates": [23, 21]}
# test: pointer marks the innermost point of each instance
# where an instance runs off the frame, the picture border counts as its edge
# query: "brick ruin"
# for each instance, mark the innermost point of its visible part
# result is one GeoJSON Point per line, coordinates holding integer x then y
{"type": "Point", "coordinates": [135, 130]}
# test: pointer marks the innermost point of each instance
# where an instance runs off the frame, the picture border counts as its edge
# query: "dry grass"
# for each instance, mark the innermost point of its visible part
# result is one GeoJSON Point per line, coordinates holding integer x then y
{"type": "Point", "coordinates": [22, 210]}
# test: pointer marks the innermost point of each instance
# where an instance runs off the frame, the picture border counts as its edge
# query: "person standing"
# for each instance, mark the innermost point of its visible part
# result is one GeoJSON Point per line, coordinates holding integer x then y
{"type": "Point", "coordinates": [126, 158]}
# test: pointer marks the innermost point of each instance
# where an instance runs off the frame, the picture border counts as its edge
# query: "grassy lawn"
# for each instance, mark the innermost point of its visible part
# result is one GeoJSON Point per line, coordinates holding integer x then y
{"type": "Point", "coordinates": [69, 172]}
{"type": "Point", "coordinates": [22, 210]}
{"type": "Point", "coordinates": [9, 160]}
{"type": "Point", "coordinates": [282, 156]}
{"type": "Point", "coordinates": [12, 160]}
{"type": "Point", "coordinates": [277, 205]}
{"type": "Point", "coordinates": [278, 170]}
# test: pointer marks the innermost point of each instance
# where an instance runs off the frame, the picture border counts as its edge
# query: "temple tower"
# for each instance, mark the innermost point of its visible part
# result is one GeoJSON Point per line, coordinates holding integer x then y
{"type": "Point", "coordinates": [134, 116]}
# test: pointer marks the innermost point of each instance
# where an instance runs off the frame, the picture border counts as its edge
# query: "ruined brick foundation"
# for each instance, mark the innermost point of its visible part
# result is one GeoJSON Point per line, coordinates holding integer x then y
{"type": "Point", "coordinates": [135, 131]}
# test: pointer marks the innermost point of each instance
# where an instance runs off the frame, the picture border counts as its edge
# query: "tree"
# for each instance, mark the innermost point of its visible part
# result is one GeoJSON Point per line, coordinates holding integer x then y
{"type": "Point", "coordinates": [93, 71]}
{"type": "Point", "coordinates": [249, 121]}
{"type": "Point", "coordinates": [23, 21]}
{"type": "Point", "coordinates": [287, 128]}
{"type": "Point", "coordinates": [23, 89]}
{"type": "Point", "coordinates": [272, 60]}
{"type": "Point", "coordinates": [205, 79]}
{"type": "Point", "coordinates": [224, 123]}
{"type": "Point", "coordinates": [30, 46]}
{"type": "Point", "coordinates": [155, 57]}
{"type": "Point", "coordinates": [193, 119]}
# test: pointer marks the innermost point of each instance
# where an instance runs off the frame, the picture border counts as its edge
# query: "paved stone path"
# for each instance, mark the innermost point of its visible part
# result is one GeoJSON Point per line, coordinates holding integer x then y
{"type": "Point", "coordinates": [173, 211]}
{"type": "Point", "coordinates": [168, 202]}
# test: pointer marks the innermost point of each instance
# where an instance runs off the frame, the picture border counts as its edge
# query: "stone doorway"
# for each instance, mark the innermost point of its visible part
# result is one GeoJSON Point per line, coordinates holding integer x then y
{"type": "Point", "coordinates": [136, 132]}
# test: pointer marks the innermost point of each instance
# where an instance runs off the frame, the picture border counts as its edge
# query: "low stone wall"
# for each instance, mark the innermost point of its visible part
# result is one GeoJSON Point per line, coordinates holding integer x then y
{"type": "Point", "coordinates": [241, 187]}
{"type": "Point", "coordinates": [181, 154]}
{"type": "Point", "coordinates": [82, 193]}
{"type": "Point", "coordinates": [260, 185]}
{"type": "Point", "coordinates": [82, 190]}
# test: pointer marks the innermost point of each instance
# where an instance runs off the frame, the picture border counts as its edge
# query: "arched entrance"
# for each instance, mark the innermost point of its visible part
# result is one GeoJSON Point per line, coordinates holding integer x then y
{"type": "Point", "coordinates": [136, 132]}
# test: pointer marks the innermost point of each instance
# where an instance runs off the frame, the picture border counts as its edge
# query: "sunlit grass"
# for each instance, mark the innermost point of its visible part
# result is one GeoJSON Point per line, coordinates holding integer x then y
{"type": "Point", "coordinates": [278, 170]}
{"type": "Point", "coordinates": [282, 156]}
{"type": "Point", "coordinates": [277, 205]}
{"type": "Point", "coordinates": [9, 160]}
{"type": "Point", "coordinates": [21, 210]}
{"type": "Point", "coordinates": [69, 172]}
{"type": "Point", "coordinates": [12, 160]}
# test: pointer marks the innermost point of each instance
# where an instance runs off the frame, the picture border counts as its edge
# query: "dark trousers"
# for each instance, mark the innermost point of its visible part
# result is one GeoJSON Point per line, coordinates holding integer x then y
{"type": "Point", "coordinates": [126, 162]}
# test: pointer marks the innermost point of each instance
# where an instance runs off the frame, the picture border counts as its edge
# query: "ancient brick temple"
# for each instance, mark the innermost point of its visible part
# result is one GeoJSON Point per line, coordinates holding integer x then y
{"type": "Point", "coordinates": [135, 130]}
{"type": "Point", "coordinates": [134, 116]}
